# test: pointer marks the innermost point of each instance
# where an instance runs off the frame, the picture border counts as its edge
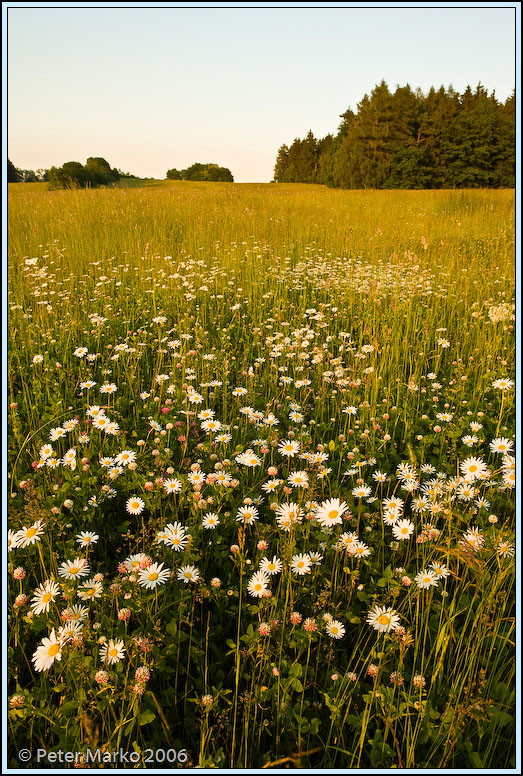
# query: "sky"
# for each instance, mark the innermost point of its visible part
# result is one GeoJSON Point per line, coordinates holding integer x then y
{"type": "Point", "coordinates": [152, 88]}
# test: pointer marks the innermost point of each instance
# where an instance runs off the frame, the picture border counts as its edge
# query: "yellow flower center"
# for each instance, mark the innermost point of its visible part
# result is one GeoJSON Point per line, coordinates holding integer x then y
{"type": "Point", "coordinates": [383, 619]}
{"type": "Point", "coordinates": [53, 650]}
{"type": "Point", "coordinates": [30, 533]}
{"type": "Point", "coordinates": [90, 591]}
{"type": "Point", "coordinates": [46, 598]}
{"type": "Point", "coordinates": [113, 652]}
{"type": "Point", "coordinates": [271, 566]}
{"type": "Point", "coordinates": [473, 468]}
{"type": "Point", "coordinates": [258, 586]}
{"type": "Point", "coordinates": [332, 514]}
{"type": "Point", "coordinates": [153, 576]}
{"type": "Point", "coordinates": [188, 574]}
{"type": "Point", "coordinates": [73, 570]}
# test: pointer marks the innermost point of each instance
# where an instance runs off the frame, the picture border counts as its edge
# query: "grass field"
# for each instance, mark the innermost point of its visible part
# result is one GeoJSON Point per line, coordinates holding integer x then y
{"type": "Point", "coordinates": [261, 476]}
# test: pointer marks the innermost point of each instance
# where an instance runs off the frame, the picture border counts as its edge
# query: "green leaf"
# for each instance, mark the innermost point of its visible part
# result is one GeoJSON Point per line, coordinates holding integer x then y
{"type": "Point", "coordinates": [144, 717]}
{"type": "Point", "coordinates": [68, 709]}
{"type": "Point", "coordinates": [172, 628]}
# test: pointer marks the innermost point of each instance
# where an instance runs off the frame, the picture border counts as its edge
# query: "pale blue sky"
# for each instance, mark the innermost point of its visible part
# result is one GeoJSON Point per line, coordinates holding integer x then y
{"type": "Point", "coordinates": [154, 88]}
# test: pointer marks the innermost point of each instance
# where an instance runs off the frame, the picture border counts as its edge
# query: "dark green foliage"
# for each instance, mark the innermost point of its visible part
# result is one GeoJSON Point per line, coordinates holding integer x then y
{"type": "Point", "coordinates": [407, 140]}
{"type": "Point", "coordinates": [12, 173]}
{"type": "Point", "coordinates": [201, 172]}
{"type": "Point", "coordinates": [71, 175]}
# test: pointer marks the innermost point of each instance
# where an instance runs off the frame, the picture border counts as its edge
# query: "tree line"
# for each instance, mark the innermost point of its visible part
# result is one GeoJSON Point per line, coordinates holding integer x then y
{"type": "Point", "coordinates": [404, 139]}
{"type": "Point", "coordinates": [95, 172]}
{"type": "Point", "coordinates": [201, 172]}
{"type": "Point", "coordinates": [98, 172]}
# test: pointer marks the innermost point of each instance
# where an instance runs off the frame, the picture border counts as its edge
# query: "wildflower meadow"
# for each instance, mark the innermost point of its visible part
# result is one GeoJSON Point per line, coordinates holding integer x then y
{"type": "Point", "coordinates": [261, 477]}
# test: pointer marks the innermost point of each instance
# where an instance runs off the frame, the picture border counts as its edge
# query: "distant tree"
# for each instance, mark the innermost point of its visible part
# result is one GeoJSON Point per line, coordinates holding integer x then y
{"type": "Point", "coordinates": [407, 140]}
{"type": "Point", "coordinates": [506, 167]}
{"type": "Point", "coordinates": [28, 176]}
{"type": "Point", "coordinates": [12, 173]}
{"type": "Point", "coordinates": [282, 160]}
{"type": "Point", "coordinates": [202, 172]}
{"type": "Point", "coordinates": [98, 172]}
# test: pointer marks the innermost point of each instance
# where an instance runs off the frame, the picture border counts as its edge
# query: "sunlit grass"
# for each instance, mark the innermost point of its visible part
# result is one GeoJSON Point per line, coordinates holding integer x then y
{"type": "Point", "coordinates": [370, 328]}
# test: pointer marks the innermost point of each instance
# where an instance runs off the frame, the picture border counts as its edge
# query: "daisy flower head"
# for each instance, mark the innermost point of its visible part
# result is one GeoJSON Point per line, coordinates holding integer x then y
{"type": "Point", "coordinates": [90, 590]}
{"type": "Point", "coordinates": [108, 388]}
{"type": "Point", "coordinates": [74, 569]}
{"type": "Point", "coordinates": [86, 538]}
{"type": "Point", "coordinates": [359, 549]}
{"type": "Point", "coordinates": [206, 414]}
{"type": "Point", "coordinates": [298, 479]}
{"type": "Point", "coordinates": [44, 596]}
{"type": "Point", "coordinates": [472, 468]}
{"type": "Point", "coordinates": [136, 562]}
{"type": "Point", "coordinates": [172, 485]}
{"type": "Point", "coordinates": [271, 485]}
{"type": "Point", "coordinates": [439, 569]}
{"type": "Point", "coordinates": [27, 536]}
{"type": "Point", "coordinates": [473, 540]}
{"type": "Point", "coordinates": [247, 515]}
{"type": "Point", "coordinates": [288, 515]}
{"type": "Point", "coordinates": [12, 541]}
{"type": "Point", "coordinates": [69, 631]}
{"type": "Point", "coordinates": [249, 459]}
{"type": "Point", "coordinates": [211, 425]}
{"type": "Point", "coordinates": [361, 491]}
{"type": "Point", "coordinates": [426, 579]}
{"type": "Point", "coordinates": [125, 457]}
{"type": "Point", "coordinates": [330, 512]}
{"type": "Point", "coordinates": [501, 445]}
{"type": "Point", "coordinates": [188, 574]}
{"type": "Point", "coordinates": [383, 619]}
{"type": "Point", "coordinates": [112, 652]}
{"type": "Point", "coordinates": [210, 520]}
{"type": "Point", "coordinates": [49, 651]}
{"type": "Point", "coordinates": [505, 549]}
{"type": "Point", "coordinates": [402, 529]}
{"type": "Point", "coordinates": [258, 584]}
{"type": "Point", "coordinates": [135, 505]}
{"type": "Point", "coordinates": [153, 575]}
{"type": "Point", "coordinates": [503, 384]}
{"type": "Point", "coordinates": [335, 629]}
{"type": "Point", "coordinates": [301, 564]}
{"type": "Point", "coordinates": [175, 537]}
{"type": "Point", "coordinates": [76, 612]}
{"type": "Point", "coordinates": [393, 504]}
{"type": "Point", "coordinates": [46, 451]}
{"type": "Point", "coordinates": [289, 448]}
{"type": "Point", "coordinates": [273, 566]}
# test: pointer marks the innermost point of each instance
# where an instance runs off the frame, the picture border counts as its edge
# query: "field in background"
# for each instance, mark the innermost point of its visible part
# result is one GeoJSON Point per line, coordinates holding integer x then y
{"type": "Point", "coordinates": [316, 370]}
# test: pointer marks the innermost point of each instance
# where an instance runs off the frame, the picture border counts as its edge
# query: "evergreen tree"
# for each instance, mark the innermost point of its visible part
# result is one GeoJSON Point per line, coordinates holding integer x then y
{"type": "Point", "coordinates": [12, 173]}
{"type": "Point", "coordinates": [282, 161]}
{"type": "Point", "coordinates": [406, 140]}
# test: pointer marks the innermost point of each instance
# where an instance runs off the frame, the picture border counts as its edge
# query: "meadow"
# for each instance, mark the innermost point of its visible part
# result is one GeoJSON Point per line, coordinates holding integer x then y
{"type": "Point", "coordinates": [261, 476]}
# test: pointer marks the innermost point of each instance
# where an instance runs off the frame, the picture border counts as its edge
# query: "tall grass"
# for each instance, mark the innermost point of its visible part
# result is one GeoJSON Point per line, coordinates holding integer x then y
{"type": "Point", "coordinates": [398, 304]}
